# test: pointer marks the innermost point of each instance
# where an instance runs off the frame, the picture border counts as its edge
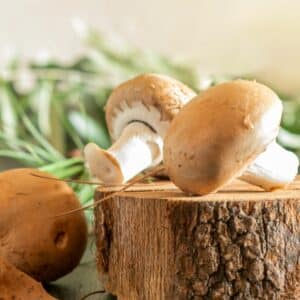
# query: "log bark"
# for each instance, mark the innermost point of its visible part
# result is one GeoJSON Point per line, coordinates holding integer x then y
{"type": "Point", "coordinates": [154, 242]}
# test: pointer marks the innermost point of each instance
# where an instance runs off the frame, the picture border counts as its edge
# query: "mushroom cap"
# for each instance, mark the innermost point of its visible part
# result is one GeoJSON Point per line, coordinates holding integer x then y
{"type": "Point", "coordinates": [14, 284]}
{"type": "Point", "coordinates": [219, 133]}
{"type": "Point", "coordinates": [31, 238]}
{"type": "Point", "coordinates": [149, 98]}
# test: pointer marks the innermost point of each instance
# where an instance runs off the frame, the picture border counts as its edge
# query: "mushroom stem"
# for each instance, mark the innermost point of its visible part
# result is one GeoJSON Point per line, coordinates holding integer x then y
{"type": "Point", "coordinates": [137, 149]}
{"type": "Point", "coordinates": [274, 168]}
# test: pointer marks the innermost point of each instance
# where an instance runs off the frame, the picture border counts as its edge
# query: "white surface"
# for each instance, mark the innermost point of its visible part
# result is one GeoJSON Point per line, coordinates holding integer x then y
{"type": "Point", "coordinates": [274, 168]}
{"type": "Point", "coordinates": [221, 36]}
{"type": "Point", "coordinates": [138, 149]}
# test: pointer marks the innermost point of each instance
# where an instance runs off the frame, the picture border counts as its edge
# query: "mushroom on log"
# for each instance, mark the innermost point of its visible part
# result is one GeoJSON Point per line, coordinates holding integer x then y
{"type": "Point", "coordinates": [157, 242]}
{"type": "Point", "coordinates": [138, 113]}
{"type": "Point", "coordinates": [228, 131]}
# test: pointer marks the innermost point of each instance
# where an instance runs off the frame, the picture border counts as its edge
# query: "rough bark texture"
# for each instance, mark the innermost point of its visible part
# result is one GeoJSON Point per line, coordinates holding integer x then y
{"type": "Point", "coordinates": [241, 243]}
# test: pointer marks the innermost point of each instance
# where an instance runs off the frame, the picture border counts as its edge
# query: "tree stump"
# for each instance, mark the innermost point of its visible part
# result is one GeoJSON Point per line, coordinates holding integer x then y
{"type": "Point", "coordinates": [154, 242]}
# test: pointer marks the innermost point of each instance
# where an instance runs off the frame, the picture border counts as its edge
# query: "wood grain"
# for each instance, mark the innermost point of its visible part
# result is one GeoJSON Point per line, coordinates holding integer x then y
{"type": "Point", "coordinates": [155, 242]}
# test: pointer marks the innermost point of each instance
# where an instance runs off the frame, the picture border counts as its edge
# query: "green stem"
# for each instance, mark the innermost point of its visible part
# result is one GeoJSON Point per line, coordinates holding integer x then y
{"type": "Point", "coordinates": [86, 194]}
{"type": "Point", "coordinates": [18, 156]}
{"type": "Point", "coordinates": [40, 139]}
{"type": "Point", "coordinates": [69, 172]}
{"type": "Point", "coordinates": [62, 164]}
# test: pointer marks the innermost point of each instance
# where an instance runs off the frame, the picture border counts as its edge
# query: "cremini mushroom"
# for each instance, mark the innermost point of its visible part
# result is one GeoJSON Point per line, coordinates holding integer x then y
{"type": "Point", "coordinates": [138, 113]}
{"type": "Point", "coordinates": [14, 284]}
{"type": "Point", "coordinates": [31, 237]}
{"type": "Point", "coordinates": [228, 131]}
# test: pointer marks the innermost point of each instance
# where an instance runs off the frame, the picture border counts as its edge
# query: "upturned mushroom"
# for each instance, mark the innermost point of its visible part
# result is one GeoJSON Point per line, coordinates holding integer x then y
{"type": "Point", "coordinates": [229, 131]}
{"type": "Point", "coordinates": [138, 114]}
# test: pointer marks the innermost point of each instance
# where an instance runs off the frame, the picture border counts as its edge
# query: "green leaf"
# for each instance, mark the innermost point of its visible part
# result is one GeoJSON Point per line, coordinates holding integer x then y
{"type": "Point", "coordinates": [288, 139]}
{"type": "Point", "coordinates": [40, 139]}
{"type": "Point", "coordinates": [24, 146]}
{"type": "Point", "coordinates": [89, 129]}
{"type": "Point", "coordinates": [63, 164]}
{"type": "Point", "coordinates": [19, 156]}
{"type": "Point", "coordinates": [70, 172]}
{"type": "Point", "coordinates": [41, 102]}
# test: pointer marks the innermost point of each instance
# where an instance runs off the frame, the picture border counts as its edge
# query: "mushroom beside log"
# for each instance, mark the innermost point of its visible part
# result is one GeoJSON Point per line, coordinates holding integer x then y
{"type": "Point", "coordinates": [31, 237]}
{"type": "Point", "coordinates": [138, 114]}
{"type": "Point", "coordinates": [229, 131]}
{"type": "Point", "coordinates": [14, 284]}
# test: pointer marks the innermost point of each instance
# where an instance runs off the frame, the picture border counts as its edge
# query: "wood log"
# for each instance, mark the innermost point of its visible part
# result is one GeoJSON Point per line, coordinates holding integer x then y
{"type": "Point", "coordinates": [155, 242]}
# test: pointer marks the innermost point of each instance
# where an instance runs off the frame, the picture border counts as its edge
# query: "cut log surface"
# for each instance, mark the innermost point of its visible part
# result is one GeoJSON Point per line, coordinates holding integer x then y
{"type": "Point", "coordinates": [154, 242]}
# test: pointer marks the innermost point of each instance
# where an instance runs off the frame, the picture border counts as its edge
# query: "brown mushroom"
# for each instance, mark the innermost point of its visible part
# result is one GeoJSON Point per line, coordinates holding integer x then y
{"type": "Point", "coordinates": [227, 132]}
{"type": "Point", "coordinates": [31, 237]}
{"type": "Point", "coordinates": [138, 113]}
{"type": "Point", "coordinates": [14, 284]}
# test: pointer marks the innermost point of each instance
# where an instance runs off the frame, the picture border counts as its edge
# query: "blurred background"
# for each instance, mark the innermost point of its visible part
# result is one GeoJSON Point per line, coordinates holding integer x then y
{"type": "Point", "coordinates": [257, 37]}
{"type": "Point", "coordinates": [59, 61]}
